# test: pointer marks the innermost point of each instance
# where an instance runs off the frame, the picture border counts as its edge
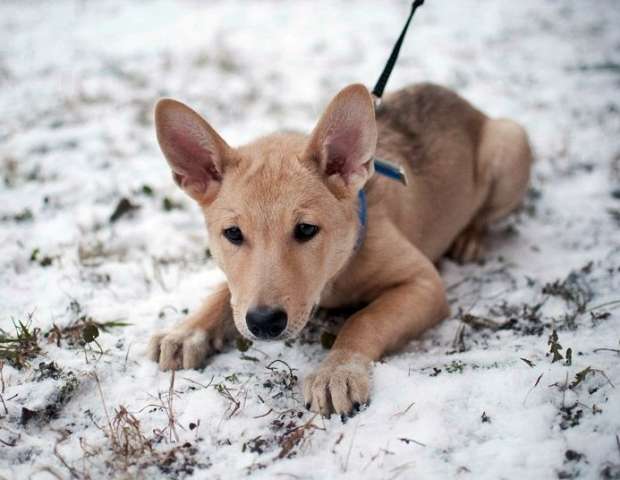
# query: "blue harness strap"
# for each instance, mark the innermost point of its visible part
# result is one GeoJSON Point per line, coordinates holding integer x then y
{"type": "Point", "coordinates": [362, 212]}
{"type": "Point", "coordinates": [387, 169]}
{"type": "Point", "coordinates": [390, 170]}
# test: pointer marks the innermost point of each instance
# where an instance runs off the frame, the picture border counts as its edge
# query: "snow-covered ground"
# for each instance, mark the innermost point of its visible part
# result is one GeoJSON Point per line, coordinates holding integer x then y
{"type": "Point", "coordinates": [478, 397]}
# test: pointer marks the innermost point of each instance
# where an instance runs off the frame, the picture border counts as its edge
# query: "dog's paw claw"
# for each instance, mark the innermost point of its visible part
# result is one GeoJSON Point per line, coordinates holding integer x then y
{"type": "Point", "coordinates": [181, 349]}
{"type": "Point", "coordinates": [340, 386]}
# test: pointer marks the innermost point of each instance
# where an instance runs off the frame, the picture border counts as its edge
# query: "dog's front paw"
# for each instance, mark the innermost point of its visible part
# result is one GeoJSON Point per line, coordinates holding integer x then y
{"type": "Point", "coordinates": [340, 385]}
{"type": "Point", "coordinates": [183, 348]}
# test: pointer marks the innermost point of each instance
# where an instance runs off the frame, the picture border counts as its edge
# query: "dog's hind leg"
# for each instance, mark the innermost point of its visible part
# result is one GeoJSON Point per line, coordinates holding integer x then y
{"type": "Point", "coordinates": [468, 245]}
{"type": "Point", "coordinates": [503, 167]}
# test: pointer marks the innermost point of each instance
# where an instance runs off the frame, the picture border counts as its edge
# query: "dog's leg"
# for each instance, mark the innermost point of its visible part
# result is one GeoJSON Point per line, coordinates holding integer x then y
{"type": "Point", "coordinates": [504, 162]}
{"type": "Point", "coordinates": [203, 333]}
{"type": "Point", "coordinates": [413, 304]}
{"type": "Point", "coordinates": [468, 245]}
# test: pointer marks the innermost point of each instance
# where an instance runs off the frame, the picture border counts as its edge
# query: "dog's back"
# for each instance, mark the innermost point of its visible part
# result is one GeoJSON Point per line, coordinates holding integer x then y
{"type": "Point", "coordinates": [456, 159]}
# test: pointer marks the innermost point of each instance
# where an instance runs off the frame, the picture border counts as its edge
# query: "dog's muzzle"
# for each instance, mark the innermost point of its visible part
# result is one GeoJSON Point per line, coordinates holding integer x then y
{"type": "Point", "coordinates": [266, 323]}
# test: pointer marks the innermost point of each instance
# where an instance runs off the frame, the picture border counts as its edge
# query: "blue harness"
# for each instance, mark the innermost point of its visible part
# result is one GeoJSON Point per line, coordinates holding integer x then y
{"type": "Point", "coordinates": [389, 170]}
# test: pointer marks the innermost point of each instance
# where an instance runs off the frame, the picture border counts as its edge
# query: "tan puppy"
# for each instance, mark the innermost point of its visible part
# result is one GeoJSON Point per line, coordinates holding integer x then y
{"type": "Point", "coordinates": [283, 223]}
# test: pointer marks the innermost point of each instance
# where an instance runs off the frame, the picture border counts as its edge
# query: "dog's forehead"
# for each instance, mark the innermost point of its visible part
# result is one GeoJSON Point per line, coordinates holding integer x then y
{"type": "Point", "coordinates": [279, 190]}
{"type": "Point", "coordinates": [272, 185]}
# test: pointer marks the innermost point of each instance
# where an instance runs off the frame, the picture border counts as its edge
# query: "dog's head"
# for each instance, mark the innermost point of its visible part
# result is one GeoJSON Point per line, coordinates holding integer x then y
{"type": "Point", "coordinates": [282, 211]}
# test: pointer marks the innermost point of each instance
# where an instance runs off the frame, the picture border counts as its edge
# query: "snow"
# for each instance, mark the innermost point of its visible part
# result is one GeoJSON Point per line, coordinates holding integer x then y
{"type": "Point", "coordinates": [77, 84]}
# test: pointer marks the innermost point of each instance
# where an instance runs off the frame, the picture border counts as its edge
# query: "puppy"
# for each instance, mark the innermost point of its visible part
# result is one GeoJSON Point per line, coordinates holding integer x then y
{"type": "Point", "coordinates": [289, 228]}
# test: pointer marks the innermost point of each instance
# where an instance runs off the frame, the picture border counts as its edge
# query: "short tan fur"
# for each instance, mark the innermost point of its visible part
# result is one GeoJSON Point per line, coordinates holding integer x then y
{"type": "Point", "coordinates": [465, 171]}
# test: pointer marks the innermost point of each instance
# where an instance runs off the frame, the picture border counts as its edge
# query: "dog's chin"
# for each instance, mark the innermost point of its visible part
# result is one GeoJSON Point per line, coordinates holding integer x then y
{"type": "Point", "coordinates": [281, 338]}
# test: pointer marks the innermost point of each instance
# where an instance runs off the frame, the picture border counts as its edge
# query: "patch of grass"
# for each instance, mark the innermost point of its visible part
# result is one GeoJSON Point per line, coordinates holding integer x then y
{"type": "Point", "coordinates": [569, 357]}
{"type": "Point", "coordinates": [225, 61]}
{"type": "Point", "coordinates": [48, 370]}
{"type": "Point", "coordinates": [125, 436]}
{"type": "Point", "coordinates": [555, 347]}
{"type": "Point", "coordinates": [581, 376]}
{"type": "Point", "coordinates": [456, 366]}
{"type": "Point", "coordinates": [67, 385]}
{"type": "Point", "coordinates": [123, 208]}
{"type": "Point", "coordinates": [570, 416]}
{"type": "Point", "coordinates": [181, 461]}
{"type": "Point", "coordinates": [605, 66]}
{"type": "Point", "coordinates": [481, 323]}
{"type": "Point", "coordinates": [614, 213]}
{"type": "Point", "coordinates": [255, 445]}
{"type": "Point", "coordinates": [43, 260]}
{"type": "Point", "coordinates": [243, 344]}
{"type": "Point", "coordinates": [83, 330]}
{"type": "Point", "coordinates": [575, 290]}
{"type": "Point", "coordinates": [531, 201]}
{"type": "Point", "coordinates": [130, 450]}
{"type": "Point", "coordinates": [168, 204]}
{"type": "Point", "coordinates": [287, 435]}
{"type": "Point", "coordinates": [24, 215]}
{"type": "Point", "coordinates": [249, 358]}
{"type": "Point", "coordinates": [612, 304]}
{"type": "Point", "coordinates": [458, 342]}
{"type": "Point", "coordinates": [529, 363]}
{"type": "Point", "coordinates": [573, 456]}
{"type": "Point", "coordinates": [281, 378]}
{"type": "Point", "coordinates": [294, 437]}
{"type": "Point", "coordinates": [235, 396]}
{"type": "Point", "coordinates": [520, 318]}
{"type": "Point", "coordinates": [21, 346]}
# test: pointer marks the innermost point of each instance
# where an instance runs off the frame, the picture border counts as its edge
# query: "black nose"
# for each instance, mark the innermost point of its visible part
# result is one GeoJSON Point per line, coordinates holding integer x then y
{"type": "Point", "coordinates": [266, 322]}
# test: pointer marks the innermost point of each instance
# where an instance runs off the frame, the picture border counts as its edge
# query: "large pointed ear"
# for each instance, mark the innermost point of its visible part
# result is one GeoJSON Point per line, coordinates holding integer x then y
{"type": "Point", "coordinates": [195, 152]}
{"type": "Point", "coordinates": [344, 140]}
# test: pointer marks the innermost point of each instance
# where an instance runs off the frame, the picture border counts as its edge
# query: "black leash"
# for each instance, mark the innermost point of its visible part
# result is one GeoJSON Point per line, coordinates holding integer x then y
{"type": "Point", "coordinates": [383, 167]}
{"type": "Point", "coordinates": [387, 70]}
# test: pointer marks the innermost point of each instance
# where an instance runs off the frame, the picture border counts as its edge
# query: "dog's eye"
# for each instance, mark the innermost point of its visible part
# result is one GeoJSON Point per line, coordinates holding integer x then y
{"type": "Point", "coordinates": [305, 231]}
{"type": "Point", "coordinates": [233, 235]}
